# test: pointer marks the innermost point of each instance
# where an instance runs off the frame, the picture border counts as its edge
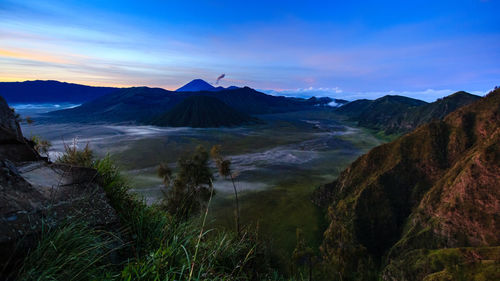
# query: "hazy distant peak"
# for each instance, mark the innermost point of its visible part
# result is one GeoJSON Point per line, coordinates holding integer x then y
{"type": "Point", "coordinates": [195, 86]}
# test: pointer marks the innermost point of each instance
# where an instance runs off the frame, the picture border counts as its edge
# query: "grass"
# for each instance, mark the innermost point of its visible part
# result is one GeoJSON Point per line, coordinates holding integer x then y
{"type": "Point", "coordinates": [279, 210]}
{"type": "Point", "coordinates": [461, 264]}
{"type": "Point", "coordinates": [154, 245]}
{"type": "Point", "coordinates": [159, 247]}
{"type": "Point", "coordinates": [73, 251]}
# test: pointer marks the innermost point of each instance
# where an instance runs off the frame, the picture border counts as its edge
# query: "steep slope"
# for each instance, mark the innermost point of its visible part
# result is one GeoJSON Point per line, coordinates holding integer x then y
{"type": "Point", "coordinates": [202, 112]}
{"type": "Point", "coordinates": [50, 91]}
{"type": "Point", "coordinates": [396, 114]}
{"type": "Point", "coordinates": [436, 110]}
{"type": "Point", "coordinates": [354, 108]}
{"type": "Point", "coordinates": [436, 187]}
{"type": "Point", "coordinates": [195, 86]}
{"type": "Point", "coordinates": [141, 104]}
{"type": "Point", "coordinates": [383, 111]}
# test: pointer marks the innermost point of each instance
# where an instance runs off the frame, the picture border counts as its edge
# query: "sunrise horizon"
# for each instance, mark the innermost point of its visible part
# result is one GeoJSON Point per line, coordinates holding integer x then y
{"type": "Point", "coordinates": [359, 50]}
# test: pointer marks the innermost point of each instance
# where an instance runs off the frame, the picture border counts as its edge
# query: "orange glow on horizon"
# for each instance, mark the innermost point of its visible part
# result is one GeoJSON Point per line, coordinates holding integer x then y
{"type": "Point", "coordinates": [29, 55]}
{"type": "Point", "coordinates": [87, 83]}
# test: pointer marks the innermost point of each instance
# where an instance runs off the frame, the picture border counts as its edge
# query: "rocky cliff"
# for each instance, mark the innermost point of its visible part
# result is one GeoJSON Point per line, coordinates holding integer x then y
{"type": "Point", "coordinates": [425, 206]}
{"type": "Point", "coordinates": [13, 146]}
{"type": "Point", "coordinates": [35, 193]}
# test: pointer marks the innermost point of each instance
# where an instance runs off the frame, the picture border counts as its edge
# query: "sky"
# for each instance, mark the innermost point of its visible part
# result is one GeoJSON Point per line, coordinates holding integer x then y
{"type": "Point", "coordinates": [342, 49]}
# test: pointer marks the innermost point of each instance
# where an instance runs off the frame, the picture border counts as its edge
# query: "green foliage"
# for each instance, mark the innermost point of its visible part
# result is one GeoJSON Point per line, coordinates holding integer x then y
{"type": "Point", "coordinates": [220, 256]}
{"type": "Point", "coordinates": [70, 252]}
{"type": "Point", "coordinates": [166, 248]}
{"type": "Point", "coordinates": [42, 146]}
{"type": "Point", "coordinates": [302, 255]}
{"type": "Point", "coordinates": [145, 225]}
{"type": "Point", "coordinates": [188, 193]}
{"type": "Point", "coordinates": [460, 264]}
{"type": "Point", "coordinates": [73, 156]}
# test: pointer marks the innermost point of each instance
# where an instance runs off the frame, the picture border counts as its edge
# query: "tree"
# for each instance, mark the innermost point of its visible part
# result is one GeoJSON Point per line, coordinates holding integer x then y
{"type": "Point", "coordinates": [190, 190]}
{"type": "Point", "coordinates": [224, 168]}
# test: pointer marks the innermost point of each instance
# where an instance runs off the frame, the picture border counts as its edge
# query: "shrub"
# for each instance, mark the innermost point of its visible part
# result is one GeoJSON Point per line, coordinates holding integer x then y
{"type": "Point", "coordinates": [42, 146]}
{"type": "Point", "coordinates": [190, 190]}
{"type": "Point", "coordinates": [73, 156]}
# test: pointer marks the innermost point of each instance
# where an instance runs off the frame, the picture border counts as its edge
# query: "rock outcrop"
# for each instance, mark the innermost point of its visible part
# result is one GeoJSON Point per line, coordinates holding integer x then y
{"type": "Point", "coordinates": [13, 146]}
{"type": "Point", "coordinates": [36, 193]}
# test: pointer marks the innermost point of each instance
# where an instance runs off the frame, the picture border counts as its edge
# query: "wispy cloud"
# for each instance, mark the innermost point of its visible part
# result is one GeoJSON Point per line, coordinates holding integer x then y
{"type": "Point", "coordinates": [131, 44]}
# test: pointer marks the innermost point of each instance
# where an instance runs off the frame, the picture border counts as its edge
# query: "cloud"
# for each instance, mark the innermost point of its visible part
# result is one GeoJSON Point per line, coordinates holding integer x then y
{"type": "Point", "coordinates": [53, 40]}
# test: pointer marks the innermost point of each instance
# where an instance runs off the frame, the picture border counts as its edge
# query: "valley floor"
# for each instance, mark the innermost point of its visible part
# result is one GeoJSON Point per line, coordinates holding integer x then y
{"type": "Point", "coordinates": [279, 164]}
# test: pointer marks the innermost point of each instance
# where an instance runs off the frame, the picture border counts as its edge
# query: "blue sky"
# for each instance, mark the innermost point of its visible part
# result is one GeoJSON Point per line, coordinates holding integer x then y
{"type": "Point", "coordinates": [345, 49]}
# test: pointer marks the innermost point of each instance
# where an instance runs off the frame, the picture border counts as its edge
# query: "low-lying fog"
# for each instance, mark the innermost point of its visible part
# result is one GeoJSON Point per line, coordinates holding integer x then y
{"type": "Point", "coordinates": [278, 163]}
{"type": "Point", "coordinates": [270, 153]}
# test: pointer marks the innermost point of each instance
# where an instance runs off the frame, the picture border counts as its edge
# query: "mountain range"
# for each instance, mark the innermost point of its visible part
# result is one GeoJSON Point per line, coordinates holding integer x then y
{"type": "Point", "coordinates": [390, 114]}
{"type": "Point", "coordinates": [398, 114]}
{"type": "Point", "coordinates": [423, 207]}
{"type": "Point", "coordinates": [50, 92]}
{"type": "Point", "coordinates": [198, 85]}
{"type": "Point", "coordinates": [143, 104]}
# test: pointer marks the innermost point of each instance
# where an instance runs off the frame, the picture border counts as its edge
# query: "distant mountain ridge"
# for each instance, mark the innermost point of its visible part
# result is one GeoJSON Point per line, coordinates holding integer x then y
{"type": "Point", "coordinates": [423, 207]}
{"type": "Point", "coordinates": [202, 112]}
{"type": "Point", "coordinates": [198, 85]}
{"type": "Point", "coordinates": [195, 86]}
{"type": "Point", "coordinates": [50, 91]}
{"type": "Point", "coordinates": [142, 104]}
{"type": "Point", "coordinates": [398, 114]}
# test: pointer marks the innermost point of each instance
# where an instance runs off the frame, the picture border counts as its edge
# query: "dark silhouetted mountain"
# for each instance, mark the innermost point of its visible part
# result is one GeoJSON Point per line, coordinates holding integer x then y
{"type": "Point", "coordinates": [424, 204]}
{"type": "Point", "coordinates": [195, 86]}
{"type": "Point", "coordinates": [50, 91]}
{"type": "Point", "coordinates": [202, 112]}
{"type": "Point", "coordinates": [252, 102]}
{"type": "Point", "coordinates": [136, 104]}
{"type": "Point", "coordinates": [141, 104]}
{"type": "Point", "coordinates": [198, 85]}
{"type": "Point", "coordinates": [354, 108]}
{"type": "Point", "coordinates": [382, 112]}
{"type": "Point", "coordinates": [435, 110]}
{"type": "Point", "coordinates": [396, 114]}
